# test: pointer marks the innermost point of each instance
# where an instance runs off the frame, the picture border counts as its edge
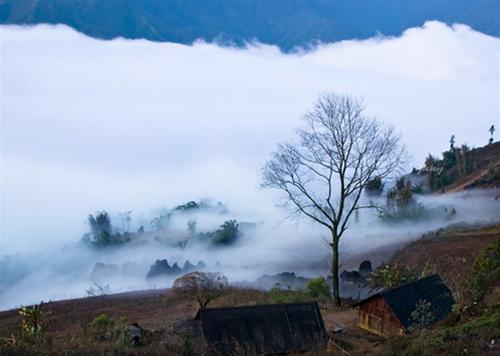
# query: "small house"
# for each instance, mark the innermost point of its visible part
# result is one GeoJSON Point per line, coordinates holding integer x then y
{"type": "Point", "coordinates": [388, 313]}
{"type": "Point", "coordinates": [262, 329]}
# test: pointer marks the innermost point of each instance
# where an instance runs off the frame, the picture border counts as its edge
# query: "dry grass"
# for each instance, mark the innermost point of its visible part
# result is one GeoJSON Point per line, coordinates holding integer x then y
{"type": "Point", "coordinates": [450, 253]}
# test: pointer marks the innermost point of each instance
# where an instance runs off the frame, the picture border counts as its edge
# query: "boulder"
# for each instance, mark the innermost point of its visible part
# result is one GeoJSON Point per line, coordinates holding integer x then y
{"type": "Point", "coordinates": [365, 268]}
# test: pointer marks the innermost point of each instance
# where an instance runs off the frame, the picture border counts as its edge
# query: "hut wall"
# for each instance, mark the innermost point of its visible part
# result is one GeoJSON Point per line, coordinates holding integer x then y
{"type": "Point", "coordinates": [376, 317]}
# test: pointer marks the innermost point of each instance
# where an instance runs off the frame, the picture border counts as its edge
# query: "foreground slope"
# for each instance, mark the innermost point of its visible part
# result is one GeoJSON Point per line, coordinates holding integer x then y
{"type": "Point", "coordinates": [162, 313]}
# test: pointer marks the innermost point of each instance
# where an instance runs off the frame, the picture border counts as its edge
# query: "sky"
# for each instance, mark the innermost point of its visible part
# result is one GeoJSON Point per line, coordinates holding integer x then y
{"type": "Point", "coordinates": [122, 125]}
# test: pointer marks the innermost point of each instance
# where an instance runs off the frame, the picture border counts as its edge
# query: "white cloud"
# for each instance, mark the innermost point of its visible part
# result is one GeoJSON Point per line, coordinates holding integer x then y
{"type": "Point", "coordinates": [90, 124]}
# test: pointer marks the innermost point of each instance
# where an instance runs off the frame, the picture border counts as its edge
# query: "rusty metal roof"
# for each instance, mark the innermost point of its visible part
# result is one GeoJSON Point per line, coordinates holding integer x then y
{"type": "Point", "coordinates": [263, 329]}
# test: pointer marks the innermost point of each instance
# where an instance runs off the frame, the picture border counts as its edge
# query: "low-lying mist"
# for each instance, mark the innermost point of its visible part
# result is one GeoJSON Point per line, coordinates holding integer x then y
{"type": "Point", "coordinates": [130, 125]}
{"type": "Point", "coordinates": [273, 245]}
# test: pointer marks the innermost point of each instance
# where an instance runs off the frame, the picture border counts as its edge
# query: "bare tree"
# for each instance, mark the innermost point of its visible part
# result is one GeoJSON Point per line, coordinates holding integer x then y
{"type": "Point", "coordinates": [323, 174]}
{"type": "Point", "coordinates": [98, 288]}
{"type": "Point", "coordinates": [201, 287]}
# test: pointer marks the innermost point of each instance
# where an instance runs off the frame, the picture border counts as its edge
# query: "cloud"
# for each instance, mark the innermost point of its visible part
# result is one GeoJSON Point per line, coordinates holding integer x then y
{"type": "Point", "coordinates": [131, 124]}
{"type": "Point", "coordinates": [434, 52]}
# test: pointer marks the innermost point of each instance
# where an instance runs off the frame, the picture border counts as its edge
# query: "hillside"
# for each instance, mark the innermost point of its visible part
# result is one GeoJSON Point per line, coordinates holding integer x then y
{"type": "Point", "coordinates": [76, 326]}
{"type": "Point", "coordinates": [285, 23]}
{"type": "Point", "coordinates": [459, 169]}
{"type": "Point", "coordinates": [486, 171]}
{"type": "Point", "coordinates": [449, 252]}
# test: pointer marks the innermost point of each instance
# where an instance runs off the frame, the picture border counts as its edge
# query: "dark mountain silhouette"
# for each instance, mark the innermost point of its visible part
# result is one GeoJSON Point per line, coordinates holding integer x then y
{"type": "Point", "coordinates": [285, 23]}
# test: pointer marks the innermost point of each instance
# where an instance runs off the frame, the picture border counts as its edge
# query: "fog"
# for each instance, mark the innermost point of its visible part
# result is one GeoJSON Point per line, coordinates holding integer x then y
{"type": "Point", "coordinates": [90, 125]}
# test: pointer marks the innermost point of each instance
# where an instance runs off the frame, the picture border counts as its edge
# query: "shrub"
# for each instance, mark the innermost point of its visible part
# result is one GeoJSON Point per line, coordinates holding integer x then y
{"type": "Point", "coordinates": [187, 346]}
{"type": "Point", "coordinates": [486, 269]}
{"type": "Point", "coordinates": [389, 276]}
{"type": "Point", "coordinates": [103, 327]}
{"type": "Point", "coordinates": [423, 316]}
{"type": "Point", "coordinates": [34, 322]}
{"type": "Point", "coordinates": [280, 296]}
{"type": "Point", "coordinates": [472, 335]}
{"type": "Point", "coordinates": [318, 287]}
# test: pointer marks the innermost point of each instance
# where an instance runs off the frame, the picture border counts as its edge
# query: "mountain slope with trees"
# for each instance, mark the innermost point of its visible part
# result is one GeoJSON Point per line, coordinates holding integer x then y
{"type": "Point", "coordinates": [463, 167]}
{"type": "Point", "coordinates": [285, 23]}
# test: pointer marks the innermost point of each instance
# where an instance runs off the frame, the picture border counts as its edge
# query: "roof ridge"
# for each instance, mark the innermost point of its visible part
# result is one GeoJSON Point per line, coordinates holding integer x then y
{"type": "Point", "coordinates": [315, 304]}
{"type": "Point", "coordinates": [410, 283]}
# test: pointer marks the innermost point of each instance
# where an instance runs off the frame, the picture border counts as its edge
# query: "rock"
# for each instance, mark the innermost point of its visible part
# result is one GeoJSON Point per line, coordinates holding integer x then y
{"type": "Point", "coordinates": [188, 267]}
{"type": "Point", "coordinates": [175, 269]}
{"type": "Point", "coordinates": [160, 267]}
{"type": "Point", "coordinates": [365, 268]}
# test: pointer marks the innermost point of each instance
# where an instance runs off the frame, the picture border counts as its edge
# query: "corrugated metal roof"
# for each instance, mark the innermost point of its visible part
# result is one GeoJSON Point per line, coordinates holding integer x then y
{"type": "Point", "coordinates": [402, 300]}
{"type": "Point", "coordinates": [263, 329]}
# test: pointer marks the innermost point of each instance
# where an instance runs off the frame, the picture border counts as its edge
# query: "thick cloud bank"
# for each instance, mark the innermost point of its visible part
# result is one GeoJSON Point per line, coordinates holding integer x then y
{"type": "Point", "coordinates": [90, 124]}
{"type": "Point", "coordinates": [134, 125]}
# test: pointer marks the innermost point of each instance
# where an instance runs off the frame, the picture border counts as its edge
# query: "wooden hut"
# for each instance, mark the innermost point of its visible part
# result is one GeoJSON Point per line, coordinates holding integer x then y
{"type": "Point", "coordinates": [388, 313]}
{"type": "Point", "coordinates": [262, 329]}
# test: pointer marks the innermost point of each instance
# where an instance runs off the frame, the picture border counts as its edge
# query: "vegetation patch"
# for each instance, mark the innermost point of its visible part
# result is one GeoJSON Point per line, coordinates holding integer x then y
{"type": "Point", "coordinates": [486, 269]}
{"type": "Point", "coordinates": [474, 337]}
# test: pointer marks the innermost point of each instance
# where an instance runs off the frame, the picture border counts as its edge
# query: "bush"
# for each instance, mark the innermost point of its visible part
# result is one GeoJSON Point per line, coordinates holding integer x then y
{"type": "Point", "coordinates": [318, 287]}
{"type": "Point", "coordinates": [187, 346]}
{"type": "Point", "coordinates": [423, 316]}
{"type": "Point", "coordinates": [486, 269]}
{"type": "Point", "coordinates": [280, 296]}
{"type": "Point", "coordinates": [390, 276]}
{"type": "Point", "coordinates": [472, 335]}
{"type": "Point", "coordinates": [103, 327]}
{"type": "Point", "coordinates": [34, 322]}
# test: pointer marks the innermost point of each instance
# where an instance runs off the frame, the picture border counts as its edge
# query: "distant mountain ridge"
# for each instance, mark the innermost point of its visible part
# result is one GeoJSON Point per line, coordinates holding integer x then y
{"type": "Point", "coordinates": [285, 23]}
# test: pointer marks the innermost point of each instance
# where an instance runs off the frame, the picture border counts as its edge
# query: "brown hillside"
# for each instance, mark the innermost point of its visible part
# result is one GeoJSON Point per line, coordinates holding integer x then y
{"type": "Point", "coordinates": [486, 172]}
{"type": "Point", "coordinates": [450, 253]}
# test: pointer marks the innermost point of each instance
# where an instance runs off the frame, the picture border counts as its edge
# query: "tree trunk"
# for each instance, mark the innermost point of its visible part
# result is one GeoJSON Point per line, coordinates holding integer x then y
{"type": "Point", "coordinates": [335, 269]}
